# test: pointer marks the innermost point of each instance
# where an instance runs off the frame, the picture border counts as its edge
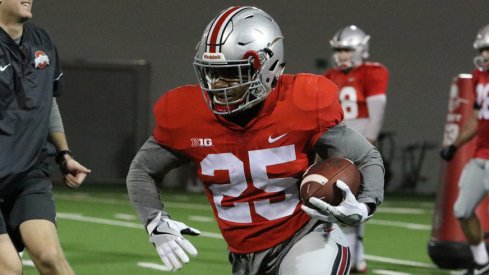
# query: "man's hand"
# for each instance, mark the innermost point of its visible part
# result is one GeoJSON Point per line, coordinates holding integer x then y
{"type": "Point", "coordinates": [348, 212]}
{"type": "Point", "coordinates": [172, 247]}
{"type": "Point", "coordinates": [447, 153]}
{"type": "Point", "coordinates": [73, 172]}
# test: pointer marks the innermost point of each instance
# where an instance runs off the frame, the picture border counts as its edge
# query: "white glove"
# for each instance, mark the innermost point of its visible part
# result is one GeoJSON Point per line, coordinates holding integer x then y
{"type": "Point", "coordinates": [166, 236]}
{"type": "Point", "coordinates": [349, 212]}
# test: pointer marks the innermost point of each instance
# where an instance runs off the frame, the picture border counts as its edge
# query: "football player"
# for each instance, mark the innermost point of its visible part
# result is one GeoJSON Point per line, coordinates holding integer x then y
{"type": "Point", "coordinates": [252, 131]}
{"type": "Point", "coordinates": [363, 87]}
{"type": "Point", "coordinates": [474, 181]}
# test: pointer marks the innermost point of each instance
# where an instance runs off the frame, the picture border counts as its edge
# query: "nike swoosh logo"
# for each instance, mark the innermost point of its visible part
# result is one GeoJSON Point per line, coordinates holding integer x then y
{"type": "Point", "coordinates": [3, 68]}
{"type": "Point", "coordinates": [272, 140]}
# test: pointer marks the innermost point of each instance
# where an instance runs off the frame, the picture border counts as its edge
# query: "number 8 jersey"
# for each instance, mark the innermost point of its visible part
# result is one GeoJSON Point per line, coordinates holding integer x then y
{"type": "Point", "coordinates": [357, 84]}
{"type": "Point", "coordinates": [251, 173]}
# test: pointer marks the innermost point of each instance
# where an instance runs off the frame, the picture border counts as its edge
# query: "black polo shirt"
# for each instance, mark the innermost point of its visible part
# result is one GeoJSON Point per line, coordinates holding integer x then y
{"type": "Point", "coordinates": [30, 75]}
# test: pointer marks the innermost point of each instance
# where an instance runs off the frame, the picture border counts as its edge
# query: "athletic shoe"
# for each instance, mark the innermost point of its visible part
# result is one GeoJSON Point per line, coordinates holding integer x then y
{"type": "Point", "coordinates": [478, 269]}
{"type": "Point", "coordinates": [359, 268]}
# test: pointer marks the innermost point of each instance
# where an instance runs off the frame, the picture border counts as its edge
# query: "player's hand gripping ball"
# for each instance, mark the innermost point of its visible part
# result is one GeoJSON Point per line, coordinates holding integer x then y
{"type": "Point", "coordinates": [319, 180]}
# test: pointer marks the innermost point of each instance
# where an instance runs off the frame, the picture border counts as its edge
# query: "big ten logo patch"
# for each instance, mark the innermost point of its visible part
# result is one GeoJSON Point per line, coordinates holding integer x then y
{"type": "Point", "coordinates": [201, 142]}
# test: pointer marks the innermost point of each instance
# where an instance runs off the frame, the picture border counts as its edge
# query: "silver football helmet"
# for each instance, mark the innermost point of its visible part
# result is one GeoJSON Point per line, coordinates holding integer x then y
{"type": "Point", "coordinates": [350, 38]}
{"type": "Point", "coordinates": [481, 43]}
{"type": "Point", "coordinates": [245, 45]}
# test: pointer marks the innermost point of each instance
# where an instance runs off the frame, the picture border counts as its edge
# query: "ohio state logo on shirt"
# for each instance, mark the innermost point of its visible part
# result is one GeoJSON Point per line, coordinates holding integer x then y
{"type": "Point", "coordinates": [41, 60]}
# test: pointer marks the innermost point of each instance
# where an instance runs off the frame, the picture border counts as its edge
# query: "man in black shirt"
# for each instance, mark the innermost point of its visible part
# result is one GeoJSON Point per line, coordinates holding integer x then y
{"type": "Point", "coordinates": [30, 123]}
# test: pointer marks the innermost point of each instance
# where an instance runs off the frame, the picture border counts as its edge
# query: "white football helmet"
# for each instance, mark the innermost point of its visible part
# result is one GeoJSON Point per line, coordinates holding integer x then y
{"type": "Point", "coordinates": [481, 43]}
{"type": "Point", "coordinates": [350, 38]}
{"type": "Point", "coordinates": [241, 43]}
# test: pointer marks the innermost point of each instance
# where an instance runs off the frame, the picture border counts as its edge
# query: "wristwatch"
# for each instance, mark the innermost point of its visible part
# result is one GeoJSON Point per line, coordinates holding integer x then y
{"type": "Point", "coordinates": [60, 156]}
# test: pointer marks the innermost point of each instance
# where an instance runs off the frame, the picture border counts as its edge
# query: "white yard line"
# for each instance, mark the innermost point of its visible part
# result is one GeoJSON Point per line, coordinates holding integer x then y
{"type": "Point", "coordinates": [201, 219]}
{"type": "Point", "coordinates": [82, 218]}
{"type": "Point", "coordinates": [154, 266]}
{"type": "Point", "coordinates": [388, 272]}
{"type": "Point", "coordinates": [406, 225]}
{"type": "Point", "coordinates": [125, 217]}
{"type": "Point", "coordinates": [28, 263]}
{"type": "Point", "coordinates": [403, 210]}
{"type": "Point", "coordinates": [398, 262]}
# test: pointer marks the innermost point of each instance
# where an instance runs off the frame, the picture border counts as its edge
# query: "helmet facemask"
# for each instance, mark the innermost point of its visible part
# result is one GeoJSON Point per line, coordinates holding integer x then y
{"type": "Point", "coordinates": [481, 61]}
{"type": "Point", "coordinates": [234, 85]}
{"type": "Point", "coordinates": [346, 58]}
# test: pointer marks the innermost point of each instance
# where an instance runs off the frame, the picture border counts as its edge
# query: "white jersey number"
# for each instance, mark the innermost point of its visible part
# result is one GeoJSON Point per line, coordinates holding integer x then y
{"type": "Point", "coordinates": [483, 100]}
{"type": "Point", "coordinates": [348, 98]}
{"type": "Point", "coordinates": [240, 212]}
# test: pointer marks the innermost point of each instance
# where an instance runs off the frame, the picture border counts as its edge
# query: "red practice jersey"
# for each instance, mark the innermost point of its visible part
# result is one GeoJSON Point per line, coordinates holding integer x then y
{"type": "Point", "coordinates": [251, 173]}
{"type": "Point", "coordinates": [481, 89]}
{"type": "Point", "coordinates": [357, 84]}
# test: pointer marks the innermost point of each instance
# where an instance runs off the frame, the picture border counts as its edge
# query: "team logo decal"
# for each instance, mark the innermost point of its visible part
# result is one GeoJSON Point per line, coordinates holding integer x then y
{"type": "Point", "coordinates": [41, 60]}
{"type": "Point", "coordinates": [213, 56]}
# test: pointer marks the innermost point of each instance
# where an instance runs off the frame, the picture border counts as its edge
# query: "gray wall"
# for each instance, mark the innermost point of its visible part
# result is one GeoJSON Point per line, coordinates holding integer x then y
{"type": "Point", "coordinates": [423, 43]}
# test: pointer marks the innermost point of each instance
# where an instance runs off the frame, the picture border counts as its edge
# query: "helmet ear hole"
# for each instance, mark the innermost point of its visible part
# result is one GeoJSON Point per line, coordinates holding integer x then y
{"type": "Point", "coordinates": [274, 82]}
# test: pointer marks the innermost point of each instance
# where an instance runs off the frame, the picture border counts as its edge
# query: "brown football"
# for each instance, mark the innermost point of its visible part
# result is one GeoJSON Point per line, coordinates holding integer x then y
{"type": "Point", "coordinates": [319, 180]}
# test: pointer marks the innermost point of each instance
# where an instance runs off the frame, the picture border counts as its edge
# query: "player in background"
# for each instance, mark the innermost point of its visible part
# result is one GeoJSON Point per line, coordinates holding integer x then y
{"type": "Point", "coordinates": [252, 131]}
{"type": "Point", "coordinates": [363, 87]}
{"type": "Point", "coordinates": [474, 181]}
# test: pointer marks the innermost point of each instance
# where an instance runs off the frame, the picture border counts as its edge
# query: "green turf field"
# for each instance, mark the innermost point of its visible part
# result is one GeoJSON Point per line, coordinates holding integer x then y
{"type": "Point", "coordinates": [101, 234]}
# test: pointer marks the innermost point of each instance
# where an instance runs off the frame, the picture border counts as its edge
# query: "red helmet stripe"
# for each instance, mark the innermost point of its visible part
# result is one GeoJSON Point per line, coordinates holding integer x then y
{"type": "Point", "coordinates": [215, 33]}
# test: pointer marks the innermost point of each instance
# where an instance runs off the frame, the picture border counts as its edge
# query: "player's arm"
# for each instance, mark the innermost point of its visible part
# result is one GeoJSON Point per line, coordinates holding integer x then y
{"type": "Point", "coordinates": [147, 170]}
{"type": "Point", "coordinates": [376, 109]}
{"type": "Point", "coordinates": [342, 141]}
{"type": "Point", "coordinates": [469, 131]}
{"type": "Point", "coordinates": [73, 172]}
{"type": "Point", "coordinates": [376, 99]}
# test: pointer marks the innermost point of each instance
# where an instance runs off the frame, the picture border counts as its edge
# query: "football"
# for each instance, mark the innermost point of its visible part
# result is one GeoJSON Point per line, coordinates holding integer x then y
{"type": "Point", "coordinates": [319, 180]}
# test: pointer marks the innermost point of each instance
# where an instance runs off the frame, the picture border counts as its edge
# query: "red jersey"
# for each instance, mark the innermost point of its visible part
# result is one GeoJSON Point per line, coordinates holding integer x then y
{"type": "Point", "coordinates": [251, 173]}
{"type": "Point", "coordinates": [357, 84]}
{"type": "Point", "coordinates": [481, 90]}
